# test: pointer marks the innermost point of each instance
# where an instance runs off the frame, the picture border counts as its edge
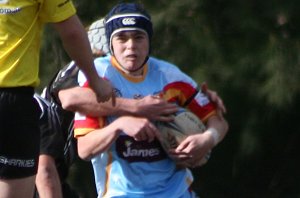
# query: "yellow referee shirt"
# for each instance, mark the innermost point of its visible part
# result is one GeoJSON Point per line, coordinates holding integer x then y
{"type": "Point", "coordinates": [21, 23]}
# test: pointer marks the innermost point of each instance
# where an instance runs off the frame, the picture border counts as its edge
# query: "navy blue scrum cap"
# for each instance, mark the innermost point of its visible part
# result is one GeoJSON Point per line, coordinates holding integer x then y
{"type": "Point", "coordinates": [127, 17]}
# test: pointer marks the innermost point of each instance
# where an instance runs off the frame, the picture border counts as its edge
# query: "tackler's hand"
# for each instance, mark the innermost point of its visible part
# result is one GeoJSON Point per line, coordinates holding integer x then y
{"type": "Point", "coordinates": [213, 96]}
{"type": "Point", "coordinates": [156, 108]}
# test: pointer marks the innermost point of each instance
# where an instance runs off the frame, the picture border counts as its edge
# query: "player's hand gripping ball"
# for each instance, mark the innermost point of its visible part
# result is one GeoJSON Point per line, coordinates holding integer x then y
{"type": "Point", "coordinates": [185, 123]}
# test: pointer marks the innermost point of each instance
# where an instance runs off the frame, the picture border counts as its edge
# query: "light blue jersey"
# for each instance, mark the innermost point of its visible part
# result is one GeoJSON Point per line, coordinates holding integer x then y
{"type": "Point", "coordinates": [138, 168]}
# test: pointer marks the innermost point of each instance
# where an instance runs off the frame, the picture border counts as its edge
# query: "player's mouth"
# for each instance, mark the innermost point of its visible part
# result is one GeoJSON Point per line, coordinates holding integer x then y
{"type": "Point", "coordinates": [131, 57]}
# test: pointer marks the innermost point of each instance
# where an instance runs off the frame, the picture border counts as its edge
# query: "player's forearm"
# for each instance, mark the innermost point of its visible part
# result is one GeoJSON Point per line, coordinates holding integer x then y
{"type": "Point", "coordinates": [97, 141]}
{"type": "Point", "coordinates": [217, 127]}
{"type": "Point", "coordinates": [83, 100]}
{"type": "Point", "coordinates": [49, 189]}
{"type": "Point", "coordinates": [47, 179]}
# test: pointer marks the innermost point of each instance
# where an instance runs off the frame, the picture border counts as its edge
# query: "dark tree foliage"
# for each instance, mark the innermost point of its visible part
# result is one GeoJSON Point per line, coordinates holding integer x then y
{"type": "Point", "coordinates": [249, 51]}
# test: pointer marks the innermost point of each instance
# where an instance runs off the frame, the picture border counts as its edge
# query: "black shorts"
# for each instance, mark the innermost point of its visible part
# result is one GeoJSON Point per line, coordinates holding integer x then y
{"type": "Point", "coordinates": [54, 125]}
{"type": "Point", "coordinates": [19, 133]}
{"type": "Point", "coordinates": [52, 140]}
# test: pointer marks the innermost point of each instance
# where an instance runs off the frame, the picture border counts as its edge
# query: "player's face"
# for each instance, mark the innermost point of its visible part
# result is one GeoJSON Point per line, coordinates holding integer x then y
{"type": "Point", "coordinates": [131, 49]}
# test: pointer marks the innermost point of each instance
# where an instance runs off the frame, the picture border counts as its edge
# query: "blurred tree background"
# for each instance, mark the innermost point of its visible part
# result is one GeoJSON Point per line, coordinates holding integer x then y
{"type": "Point", "coordinates": [249, 52]}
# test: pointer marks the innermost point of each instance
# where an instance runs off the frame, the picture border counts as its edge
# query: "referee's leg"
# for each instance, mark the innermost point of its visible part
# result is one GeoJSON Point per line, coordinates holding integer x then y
{"type": "Point", "coordinates": [16, 188]}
